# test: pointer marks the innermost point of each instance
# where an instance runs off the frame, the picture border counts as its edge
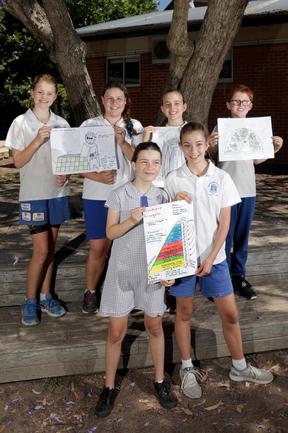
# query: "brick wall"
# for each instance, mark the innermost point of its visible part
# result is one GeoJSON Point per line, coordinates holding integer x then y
{"type": "Point", "coordinates": [264, 68]}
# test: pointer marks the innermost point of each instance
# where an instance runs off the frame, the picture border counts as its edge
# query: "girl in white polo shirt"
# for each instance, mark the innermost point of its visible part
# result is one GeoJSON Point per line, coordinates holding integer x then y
{"type": "Point", "coordinates": [212, 192]}
{"type": "Point", "coordinates": [43, 197]}
{"type": "Point", "coordinates": [173, 107]}
{"type": "Point", "coordinates": [97, 186]}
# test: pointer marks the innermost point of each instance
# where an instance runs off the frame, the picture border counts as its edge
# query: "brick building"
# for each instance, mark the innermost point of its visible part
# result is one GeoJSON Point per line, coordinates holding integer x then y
{"type": "Point", "coordinates": [134, 50]}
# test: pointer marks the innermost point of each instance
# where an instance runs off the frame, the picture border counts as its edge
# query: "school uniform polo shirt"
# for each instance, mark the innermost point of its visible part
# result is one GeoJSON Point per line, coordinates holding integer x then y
{"type": "Point", "coordinates": [37, 181]}
{"type": "Point", "coordinates": [210, 193]}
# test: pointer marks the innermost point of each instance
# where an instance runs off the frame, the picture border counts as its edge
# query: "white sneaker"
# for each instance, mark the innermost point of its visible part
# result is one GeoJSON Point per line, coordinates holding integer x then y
{"type": "Point", "coordinates": [251, 374]}
{"type": "Point", "coordinates": [189, 382]}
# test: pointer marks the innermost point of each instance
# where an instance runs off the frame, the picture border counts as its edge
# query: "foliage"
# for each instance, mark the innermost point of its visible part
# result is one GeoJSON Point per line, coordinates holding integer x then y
{"type": "Point", "coordinates": [22, 57]}
{"type": "Point", "coordinates": [85, 13]}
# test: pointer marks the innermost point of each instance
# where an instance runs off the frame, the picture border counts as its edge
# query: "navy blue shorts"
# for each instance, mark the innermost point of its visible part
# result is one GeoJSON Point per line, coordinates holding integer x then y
{"type": "Point", "coordinates": [51, 212]}
{"type": "Point", "coordinates": [216, 284]}
{"type": "Point", "coordinates": [95, 215]}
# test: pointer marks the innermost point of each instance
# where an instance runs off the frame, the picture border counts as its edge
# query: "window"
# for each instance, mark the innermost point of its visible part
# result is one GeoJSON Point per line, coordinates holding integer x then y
{"type": "Point", "coordinates": [226, 74]}
{"type": "Point", "coordinates": [124, 69]}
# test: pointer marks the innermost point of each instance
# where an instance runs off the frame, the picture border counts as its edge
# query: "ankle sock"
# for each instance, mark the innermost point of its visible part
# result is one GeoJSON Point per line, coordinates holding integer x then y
{"type": "Point", "coordinates": [89, 290]}
{"type": "Point", "coordinates": [43, 297]}
{"type": "Point", "coordinates": [187, 363]}
{"type": "Point", "coordinates": [159, 381]}
{"type": "Point", "coordinates": [239, 364]}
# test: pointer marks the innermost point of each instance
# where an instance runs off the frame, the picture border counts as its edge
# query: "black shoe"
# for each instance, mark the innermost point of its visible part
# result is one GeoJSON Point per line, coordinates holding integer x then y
{"type": "Point", "coordinates": [89, 305]}
{"type": "Point", "coordinates": [106, 401]}
{"type": "Point", "coordinates": [210, 299]}
{"type": "Point", "coordinates": [243, 288]}
{"type": "Point", "coordinates": [166, 397]}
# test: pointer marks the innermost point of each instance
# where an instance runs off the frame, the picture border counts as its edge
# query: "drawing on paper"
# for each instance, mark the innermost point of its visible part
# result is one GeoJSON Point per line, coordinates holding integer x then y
{"type": "Point", "coordinates": [170, 241]}
{"type": "Point", "coordinates": [243, 140]}
{"type": "Point", "coordinates": [171, 254]}
{"type": "Point", "coordinates": [87, 159]}
{"type": "Point", "coordinates": [83, 149]}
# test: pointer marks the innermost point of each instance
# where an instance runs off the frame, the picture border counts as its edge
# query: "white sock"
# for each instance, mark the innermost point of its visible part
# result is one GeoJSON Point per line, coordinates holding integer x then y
{"type": "Point", "coordinates": [42, 297]}
{"type": "Point", "coordinates": [186, 363]}
{"type": "Point", "coordinates": [159, 381]}
{"type": "Point", "coordinates": [89, 290]}
{"type": "Point", "coordinates": [239, 364]}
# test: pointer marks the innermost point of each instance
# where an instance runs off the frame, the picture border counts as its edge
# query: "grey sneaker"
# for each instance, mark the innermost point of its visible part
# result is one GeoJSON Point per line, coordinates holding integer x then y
{"type": "Point", "coordinates": [189, 382]}
{"type": "Point", "coordinates": [251, 374]}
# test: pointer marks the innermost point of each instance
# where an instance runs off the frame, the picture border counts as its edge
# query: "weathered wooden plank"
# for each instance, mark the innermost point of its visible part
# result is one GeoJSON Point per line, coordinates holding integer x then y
{"type": "Point", "coordinates": [76, 344]}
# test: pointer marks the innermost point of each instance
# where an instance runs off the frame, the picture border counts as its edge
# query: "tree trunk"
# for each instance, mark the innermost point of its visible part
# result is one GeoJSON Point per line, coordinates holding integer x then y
{"type": "Point", "coordinates": [205, 58]}
{"type": "Point", "coordinates": [50, 24]}
{"type": "Point", "coordinates": [179, 44]}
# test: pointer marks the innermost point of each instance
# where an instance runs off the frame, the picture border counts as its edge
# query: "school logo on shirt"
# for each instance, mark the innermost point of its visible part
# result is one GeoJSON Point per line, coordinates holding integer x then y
{"type": "Point", "coordinates": [213, 188]}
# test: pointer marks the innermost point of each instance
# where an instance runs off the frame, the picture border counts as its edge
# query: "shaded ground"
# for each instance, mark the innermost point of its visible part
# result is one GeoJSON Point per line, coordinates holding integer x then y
{"type": "Point", "coordinates": [67, 404]}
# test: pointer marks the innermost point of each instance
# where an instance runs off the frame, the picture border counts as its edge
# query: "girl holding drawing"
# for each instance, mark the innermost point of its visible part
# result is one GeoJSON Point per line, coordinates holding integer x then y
{"type": "Point", "coordinates": [97, 186]}
{"type": "Point", "coordinates": [126, 284]}
{"type": "Point", "coordinates": [43, 197]}
{"type": "Point", "coordinates": [239, 102]}
{"type": "Point", "coordinates": [212, 193]}
{"type": "Point", "coordinates": [173, 107]}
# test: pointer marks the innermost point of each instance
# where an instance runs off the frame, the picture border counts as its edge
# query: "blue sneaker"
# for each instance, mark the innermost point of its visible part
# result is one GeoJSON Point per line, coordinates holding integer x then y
{"type": "Point", "coordinates": [52, 307]}
{"type": "Point", "coordinates": [30, 312]}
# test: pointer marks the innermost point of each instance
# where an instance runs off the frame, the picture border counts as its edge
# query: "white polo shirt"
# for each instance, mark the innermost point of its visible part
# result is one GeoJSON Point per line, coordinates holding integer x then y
{"type": "Point", "coordinates": [37, 181]}
{"type": "Point", "coordinates": [93, 190]}
{"type": "Point", "coordinates": [210, 193]}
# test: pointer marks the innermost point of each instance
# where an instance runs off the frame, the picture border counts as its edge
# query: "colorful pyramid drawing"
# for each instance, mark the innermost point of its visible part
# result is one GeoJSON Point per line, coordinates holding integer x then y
{"type": "Point", "coordinates": [171, 255]}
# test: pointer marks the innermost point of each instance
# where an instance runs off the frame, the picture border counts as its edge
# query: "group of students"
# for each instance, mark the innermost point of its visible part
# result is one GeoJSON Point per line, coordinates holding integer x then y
{"type": "Point", "coordinates": [113, 204]}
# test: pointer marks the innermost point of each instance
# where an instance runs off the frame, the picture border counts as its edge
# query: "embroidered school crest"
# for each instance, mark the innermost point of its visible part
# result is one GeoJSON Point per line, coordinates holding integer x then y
{"type": "Point", "coordinates": [213, 188]}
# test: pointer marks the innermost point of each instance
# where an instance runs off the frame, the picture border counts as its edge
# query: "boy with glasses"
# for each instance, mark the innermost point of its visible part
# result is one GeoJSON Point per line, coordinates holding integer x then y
{"type": "Point", "coordinates": [239, 102]}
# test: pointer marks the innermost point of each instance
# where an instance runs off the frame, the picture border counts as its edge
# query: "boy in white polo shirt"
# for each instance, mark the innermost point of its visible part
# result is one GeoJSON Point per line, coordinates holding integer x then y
{"type": "Point", "coordinates": [212, 192]}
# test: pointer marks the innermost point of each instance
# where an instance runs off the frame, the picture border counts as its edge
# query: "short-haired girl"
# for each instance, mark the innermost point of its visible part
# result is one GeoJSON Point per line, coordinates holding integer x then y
{"type": "Point", "coordinates": [126, 285]}
{"type": "Point", "coordinates": [173, 107]}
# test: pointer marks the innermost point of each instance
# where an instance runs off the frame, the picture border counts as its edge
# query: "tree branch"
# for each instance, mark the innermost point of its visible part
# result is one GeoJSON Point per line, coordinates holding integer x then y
{"type": "Point", "coordinates": [33, 17]}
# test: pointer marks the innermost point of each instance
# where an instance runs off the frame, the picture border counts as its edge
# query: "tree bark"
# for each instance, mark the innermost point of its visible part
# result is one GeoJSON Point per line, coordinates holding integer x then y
{"type": "Point", "coordinates": [179, 44]}
{"type": "Point", "coordinates": [204, 59]}
{"type": "Point", "coordinates": [50, 24]}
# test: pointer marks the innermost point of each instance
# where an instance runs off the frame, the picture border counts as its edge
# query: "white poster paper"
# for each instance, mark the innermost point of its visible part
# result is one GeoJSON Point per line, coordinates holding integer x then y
{"type": "Point", "coordinates": [170, 241]}
{"type": "Point", "coordinates": [168, 138]}
{"type": "Point", "coordinates": [83, 149]}
{"type": "Point", "coordinates": [244, 139]}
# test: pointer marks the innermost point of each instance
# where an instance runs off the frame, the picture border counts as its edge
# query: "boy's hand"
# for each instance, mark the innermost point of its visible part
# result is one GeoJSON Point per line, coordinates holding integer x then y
{"type": "Point", "coordinates": [205, 268]}
{"type": "Point", "coordinates": [137, 214]}
{"type": "Point", "coordinates": [213, 139]}
{"type": "Point", "coordinates": [183, 195]}
{"type": "Point", "coordinates": [167, 283]}
{"type": "Point", "coordinates": [277, 143]}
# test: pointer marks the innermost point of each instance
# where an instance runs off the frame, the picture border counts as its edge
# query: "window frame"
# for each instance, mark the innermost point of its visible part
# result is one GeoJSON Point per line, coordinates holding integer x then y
{"type": "Point", "coordinates": [124, 58]}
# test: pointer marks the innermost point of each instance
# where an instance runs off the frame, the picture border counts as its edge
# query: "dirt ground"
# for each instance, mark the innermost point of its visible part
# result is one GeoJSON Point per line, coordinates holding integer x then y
{"type": "Point", "coordinates": [66, 404]}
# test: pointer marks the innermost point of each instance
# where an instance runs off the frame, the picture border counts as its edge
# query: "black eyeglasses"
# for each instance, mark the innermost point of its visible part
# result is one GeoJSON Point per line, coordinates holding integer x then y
{"type": "Point", "coordinates": [238, 102]}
